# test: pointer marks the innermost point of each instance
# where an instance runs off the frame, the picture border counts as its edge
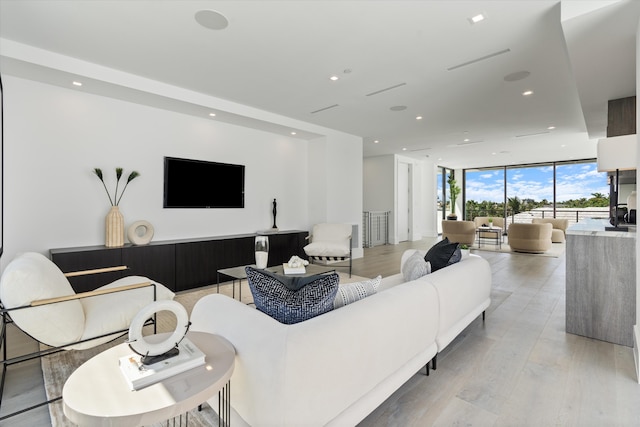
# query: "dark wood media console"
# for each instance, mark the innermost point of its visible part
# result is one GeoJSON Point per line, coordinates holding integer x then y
{"type": "Point", "coordinates": [177, 264]}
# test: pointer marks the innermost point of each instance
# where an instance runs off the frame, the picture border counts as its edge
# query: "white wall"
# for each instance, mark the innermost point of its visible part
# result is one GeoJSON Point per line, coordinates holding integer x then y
{"type": "Point", "coordinates": [54, 137]}
{"type": "Point", "coordinates": [380, 193]}
{"type": "Point", "coordinates": [423, 205]}
{"type": "Point", "coordinates": [430, 199]}
{"type": "Point", "coordinates": [335, 183]}
{"type": "Point", "coordinates": [379, 188]}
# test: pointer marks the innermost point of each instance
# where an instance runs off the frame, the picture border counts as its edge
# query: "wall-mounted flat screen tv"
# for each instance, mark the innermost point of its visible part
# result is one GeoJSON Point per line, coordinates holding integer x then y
{"type": "Point", "coordinates": [202, 184]}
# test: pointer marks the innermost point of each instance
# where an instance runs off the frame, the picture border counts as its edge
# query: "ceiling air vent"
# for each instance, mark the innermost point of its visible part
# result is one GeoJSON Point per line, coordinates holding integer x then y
{"type": "Point", "coordinates": [482, 58]}
{"type": "Point", "coordinates": [325, 108]}
{"type": "Point", "coordinates": [386, 89]}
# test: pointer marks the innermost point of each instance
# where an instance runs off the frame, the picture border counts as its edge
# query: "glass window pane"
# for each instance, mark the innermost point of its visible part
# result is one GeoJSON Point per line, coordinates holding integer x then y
{"type": "Point", "coordinates": [530, 193]}
{"type": "Point", "coordinates": [581, 192]}
{"type": "Point", "coordinates": [484, 193]}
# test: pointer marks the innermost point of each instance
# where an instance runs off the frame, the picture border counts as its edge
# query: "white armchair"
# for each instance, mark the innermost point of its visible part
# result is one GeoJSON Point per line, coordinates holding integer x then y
{"type": "Point", "coordinates": [36, 297]}
{"type": "Point", "coordinates": [330, 242]}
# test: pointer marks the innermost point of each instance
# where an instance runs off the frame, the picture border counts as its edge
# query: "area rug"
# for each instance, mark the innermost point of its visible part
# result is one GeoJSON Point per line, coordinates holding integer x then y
{"type": "Point", "coordinates": [56, 368]}
{"type": "Point", "coordinates": [556, 251]}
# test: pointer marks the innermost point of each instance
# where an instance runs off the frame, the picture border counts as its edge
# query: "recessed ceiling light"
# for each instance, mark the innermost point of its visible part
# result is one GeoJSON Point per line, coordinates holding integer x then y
{"type": "Point", "coordinates": [293, 133]}
{"type": "Point", "coordinates": [419, 118]}
{"type": "Point", "coordinates": [527, 93]}
{"type": "Point", "coordinates": [478, 18]}
{"type": "Point", "coordinates": [467, 140]}
{"type": "Point", "coordinates": [334, 78]}
{"type": "Point", "coordinates": [563, 145]}
{"type": "Point", "coordinates": [77, 83]}
{"type": "Point", "coordinates": [212, 114]}
{"type": "Point", "coordinates": [404, 148]}
{"type": "Point", "coordinates": [551, 127]}
{"type": "Point", "coordinates": [376, 141]}
{"type": "Point", "coordinates": [211, 19]}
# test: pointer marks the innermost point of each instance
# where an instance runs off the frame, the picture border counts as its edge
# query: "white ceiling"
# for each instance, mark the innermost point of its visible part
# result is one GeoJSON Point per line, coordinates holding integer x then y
{"type": "Point", "coordinates": [278, 56]}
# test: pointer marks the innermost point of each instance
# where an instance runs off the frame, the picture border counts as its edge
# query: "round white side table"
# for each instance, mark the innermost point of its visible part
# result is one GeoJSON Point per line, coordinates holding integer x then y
{"type": "Point", "coordinates": [96, 394]}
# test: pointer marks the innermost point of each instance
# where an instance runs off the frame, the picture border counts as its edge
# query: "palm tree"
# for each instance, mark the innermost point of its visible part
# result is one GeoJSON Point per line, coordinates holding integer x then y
{"type": "Point", "coordinates": [515, 205]}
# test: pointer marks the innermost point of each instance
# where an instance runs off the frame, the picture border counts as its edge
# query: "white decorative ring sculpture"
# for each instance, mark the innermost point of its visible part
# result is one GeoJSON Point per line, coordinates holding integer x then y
{"type": "Point", "coordinates": [135, 238]}
{"type": "Point", "coordinates": [137, 341]}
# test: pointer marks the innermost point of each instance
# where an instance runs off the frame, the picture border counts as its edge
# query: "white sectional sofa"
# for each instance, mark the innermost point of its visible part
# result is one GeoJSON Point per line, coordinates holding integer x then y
{"type": "Point", "coordinates": [336, 368]}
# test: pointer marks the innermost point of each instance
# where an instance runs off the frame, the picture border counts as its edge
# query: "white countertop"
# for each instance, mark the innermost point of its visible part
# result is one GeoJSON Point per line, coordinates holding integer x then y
{"type": "Point", "coordinates": [596, 227]}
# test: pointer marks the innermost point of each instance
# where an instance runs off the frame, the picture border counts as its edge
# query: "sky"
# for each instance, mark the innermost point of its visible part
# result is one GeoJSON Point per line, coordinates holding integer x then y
{"type": "Point", "coordinates": [574, 181]}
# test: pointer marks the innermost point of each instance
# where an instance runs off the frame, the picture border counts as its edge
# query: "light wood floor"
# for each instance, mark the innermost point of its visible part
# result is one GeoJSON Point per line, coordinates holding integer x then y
{"type": "Point", "coordinates": [518, 368]}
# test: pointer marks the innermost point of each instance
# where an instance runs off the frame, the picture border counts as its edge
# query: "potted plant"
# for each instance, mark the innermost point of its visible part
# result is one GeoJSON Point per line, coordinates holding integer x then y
{"type": "Point", "coordinates": [454, 191]}
{"type": "Point", "coordinates": [490, 222]}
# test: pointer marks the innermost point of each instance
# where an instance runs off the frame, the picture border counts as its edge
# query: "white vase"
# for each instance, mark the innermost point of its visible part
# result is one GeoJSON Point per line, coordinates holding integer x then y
{"type": "Point", "coordinates": [114, 228]}
{"type": "Point", "coordinates": [262, 251]}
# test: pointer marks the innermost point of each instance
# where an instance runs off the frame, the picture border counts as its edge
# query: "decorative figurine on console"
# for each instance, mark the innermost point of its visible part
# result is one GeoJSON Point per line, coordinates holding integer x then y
{"type": "Point", "coordinates": [275, 212]}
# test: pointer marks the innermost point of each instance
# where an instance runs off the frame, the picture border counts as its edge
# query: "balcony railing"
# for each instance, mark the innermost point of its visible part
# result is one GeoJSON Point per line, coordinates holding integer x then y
{"type": "Point", "coordinates": [574, 215]}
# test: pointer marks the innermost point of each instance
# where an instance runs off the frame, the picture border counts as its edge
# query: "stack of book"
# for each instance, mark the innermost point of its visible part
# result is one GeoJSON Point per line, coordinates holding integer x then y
{"type": "Point", "coordinates": [139, 375]}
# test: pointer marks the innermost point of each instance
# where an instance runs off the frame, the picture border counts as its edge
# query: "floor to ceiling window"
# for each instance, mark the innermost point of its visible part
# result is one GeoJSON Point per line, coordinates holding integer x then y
{"type": "Point", "coordinates": [484, 192]}
{"type": "Point", "coordinates": [529, 192]}
{"type": "Point", "coordinates": [581, 191]}
{"type": "Point", "coordinates": [443, 202]}
{"type": "Point", "coordinates": [572, 190]}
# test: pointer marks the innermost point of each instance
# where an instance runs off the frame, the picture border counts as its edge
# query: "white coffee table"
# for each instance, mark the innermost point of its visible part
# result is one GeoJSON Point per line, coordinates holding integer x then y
{"type": "Point", "coordinates": [96, 394]}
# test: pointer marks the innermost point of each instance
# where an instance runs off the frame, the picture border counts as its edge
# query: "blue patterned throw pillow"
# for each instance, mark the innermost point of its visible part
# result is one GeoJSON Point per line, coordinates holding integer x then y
{"type": "Point", "coordinates": [288, 306]}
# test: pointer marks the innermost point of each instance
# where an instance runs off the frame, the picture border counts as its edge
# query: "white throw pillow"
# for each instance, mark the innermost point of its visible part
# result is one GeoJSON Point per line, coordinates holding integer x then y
{"type": "Point", "coordinates": [352, 292]}
{"type": "Point", "coordinates": [415, 267]}
{"type": "Point", "coordinates": [30, 277]}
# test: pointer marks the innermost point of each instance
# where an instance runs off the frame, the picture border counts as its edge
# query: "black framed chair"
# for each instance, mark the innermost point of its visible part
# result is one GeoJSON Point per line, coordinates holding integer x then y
{"type": "Point", "coordinates": [330, 242]}
{"type": "Point", "coordinates": [37, 298]}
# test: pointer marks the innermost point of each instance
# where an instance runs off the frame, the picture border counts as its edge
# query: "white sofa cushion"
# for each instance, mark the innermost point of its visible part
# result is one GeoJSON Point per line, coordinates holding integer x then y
{"type": "Point", "coordinates": [331, 232]}
{"type": "Point", "coordinates": [324, 248]}
{"type": "Point", "coordinates": [113, 312]}
{"type": "Point", "coordinates": [29, 277]}
{"type": "Point", "coordinates": [464, 292]}
{"type": "Point", "coordinates": [329, 239]}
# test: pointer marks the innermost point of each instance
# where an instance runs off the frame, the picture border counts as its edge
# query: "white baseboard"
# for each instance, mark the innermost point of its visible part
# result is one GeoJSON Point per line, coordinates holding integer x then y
{"type": "Point", "coordinates": [636, 350]}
